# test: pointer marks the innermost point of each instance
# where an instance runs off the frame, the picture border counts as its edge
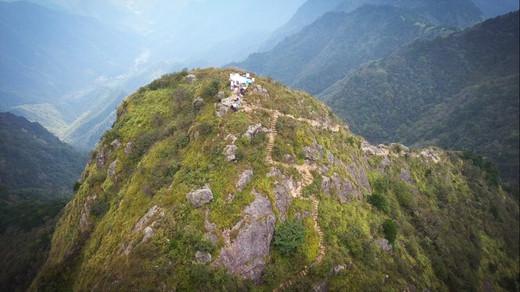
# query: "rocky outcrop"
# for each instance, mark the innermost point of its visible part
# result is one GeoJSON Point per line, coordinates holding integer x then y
{"type": "Point", "coordinates": [115, 144]}
{"type": "Point", "coordinates": [431, 154]}
{"type": "Point", "coordinates": [229, 152]}
{"type": "Point", "coordinates": [284, 187]}
{"type": "Point", "coordinates": [203, 257]}
{"type": "Point", "coordinates": [221, 110]}
{"type": "Point", "coordinates": [146, 218]}
{"type": "Point", "coordinates": [244, 179]}
{"type": "Point", "coordinates": [406, 176]}
{"type": "Point", "coordinates": [197, 104]}
{"type": "Point", "coordinates": [85, 223]}
{"type": "Point", "coordinates": [112, 168]}
{"type": "Point", "coordinates": [148, 232]}
{"type": "Point", "coordinates": [246, 254]}
{"type": "Point", "coordinates": [191, 78]}
{"type": "Point", "coordinates": [145, 224]}
{"type": "Point", "coordinates": [200, 197]}
{"type": "Point", "coordinates": [343, 188]}
{"type": "Point", "coordinates": [128, 148]}
{"type": "Point", "coordinates": [314, 152]}
{"type": "Point", "coordinates": [371, 149]}
{"type": "Point", "coordinates": [360, 178]}
{"type": "Point", "coordinates": [257, 89]}
{"type": "Point", "coordinates": [252, 131]}
{"type": "Point", "coordinates": [102, 157]}
{"type": "Point", "coordinates": [384, 244]}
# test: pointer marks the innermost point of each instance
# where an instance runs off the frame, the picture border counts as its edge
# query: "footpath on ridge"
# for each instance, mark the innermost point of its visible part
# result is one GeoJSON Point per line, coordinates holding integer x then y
{"type": "Point", "coordinates": [304, 170]}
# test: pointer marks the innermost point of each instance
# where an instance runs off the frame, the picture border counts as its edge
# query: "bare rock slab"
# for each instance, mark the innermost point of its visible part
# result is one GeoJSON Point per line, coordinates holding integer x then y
{"type": "Point", "coordinates": [200, 197]}
{"type": "Point", "coordinates": [246, 254]}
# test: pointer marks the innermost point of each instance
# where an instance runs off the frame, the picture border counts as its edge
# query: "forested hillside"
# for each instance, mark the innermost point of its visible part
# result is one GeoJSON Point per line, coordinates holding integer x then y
{"type": "Point", "coordinates": [185, 194]}
{"type": "Point", "coordinates": [459, 92]}
{"type": "Point", "coordinates": [37, 174]}
{"type": "Point", "coordinates": [461, 13]}
{"type": "Point", "coordinates": [337, 43]}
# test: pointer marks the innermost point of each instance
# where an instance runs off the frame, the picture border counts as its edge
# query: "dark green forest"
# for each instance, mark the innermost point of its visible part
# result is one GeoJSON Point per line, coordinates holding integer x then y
{"type": "Point", "coordinates": [458, 92]}
{"type": "Point", "coordinates": [338, 42]}
{"type": "Point", "coordinates": [37, 174]}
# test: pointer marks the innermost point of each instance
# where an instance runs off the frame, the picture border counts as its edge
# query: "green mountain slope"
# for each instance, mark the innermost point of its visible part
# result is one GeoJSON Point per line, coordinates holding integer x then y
{"type": "Point", "coordinates": [184, 194]}
{"type": "Point", "coordinates": [35, 163]}
{"type": "Point", "coordinates": [37, 172]}
{"type": "Point", "coordinates": [459, 92]}
{"type": "Point", "coordinates": [337, 43]}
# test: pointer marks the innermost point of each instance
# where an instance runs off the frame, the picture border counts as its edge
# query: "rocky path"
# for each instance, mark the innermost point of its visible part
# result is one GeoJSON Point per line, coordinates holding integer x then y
{"type": "Point", "coordinates": [305, 171]}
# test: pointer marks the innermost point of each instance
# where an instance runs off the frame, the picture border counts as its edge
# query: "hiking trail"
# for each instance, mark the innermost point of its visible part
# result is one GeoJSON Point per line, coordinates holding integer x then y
{"type": "Point", "coordinates": [305, 171]}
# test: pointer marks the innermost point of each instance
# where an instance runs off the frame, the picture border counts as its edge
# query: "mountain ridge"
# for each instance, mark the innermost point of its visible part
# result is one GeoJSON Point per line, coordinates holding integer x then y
{"type": "Point", "coordinates": [183, 193]}
{"type": "Point", "coordinates": [440, 85]}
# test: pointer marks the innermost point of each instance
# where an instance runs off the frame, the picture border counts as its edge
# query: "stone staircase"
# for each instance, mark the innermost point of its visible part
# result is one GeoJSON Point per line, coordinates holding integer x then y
{"type": "Point", "coordinates": [305, 171]}
{"type": "Point", "coordinates": [272, 137]}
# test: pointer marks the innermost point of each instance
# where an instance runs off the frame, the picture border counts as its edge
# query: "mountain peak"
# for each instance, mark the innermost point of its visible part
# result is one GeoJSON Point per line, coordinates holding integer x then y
{"type": "Point", "coordinates": [183, 194]}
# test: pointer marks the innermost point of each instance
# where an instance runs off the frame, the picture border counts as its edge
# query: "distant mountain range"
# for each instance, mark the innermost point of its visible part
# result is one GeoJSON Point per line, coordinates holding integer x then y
{"type": "Point", "coordinates": [45, 54]}
{"type": "Point", "coordinates": [459, 92]}
{"type": "Point", "coordinates": [324, 58]}
{"type": "Point", "coordinates": [34, 164]}
{"type": "Point", "coordinates": [337, 43]}
{"type": "Point", "coordinates": [37, 174]}
{"type": "Point", "coordinates": [69, 71]}
{"type": "Point", "coordinates": [459, 13]}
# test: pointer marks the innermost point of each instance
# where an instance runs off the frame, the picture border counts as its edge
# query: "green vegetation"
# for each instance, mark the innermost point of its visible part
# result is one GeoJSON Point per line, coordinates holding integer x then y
{"type": "Point", "coordinates": [459, 92]}
{"type": "Point", "coordinates": [390, 230]}
{"type": "Point", "coordinates": [377, 201]}
{"type": "Point", "coordinates": [323, 53]}
{"type": "Point", "coordinates": [37, 172]}
{"type": "Point", "coordinates": [288, 237]}
{"type": "Point", "coordinates": [451, 227]}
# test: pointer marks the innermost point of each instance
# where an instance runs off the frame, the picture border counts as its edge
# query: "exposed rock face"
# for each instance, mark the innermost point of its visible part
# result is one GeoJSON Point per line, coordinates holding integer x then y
{"type": "Point", "coordinates": [115, 144]}
{"type": "Point", "coordinates": [102, 157]}
{"type": "Point", "coordinates": [343, 188]}
{"type": "Point", "coordinates": [203, 257]}
{"type": "Point", "coordinates": [252, 131]}
{"type": "Point", "coordinates": [229, 152]}
{"type": "Point", "coordinates": [197, 104]}
{"type": "Point", "coordinates": [314, 152]}
{"type": "Point", "coordinates": [361, 179]}
{"type": "Point", "coordinates": [221, 110]}
{"type": "Point", "coordinates": [348, 187]}
{"type": "Point", "coordinates": [196, 135]}
{"type": "Point", "coordinates": [146, 218]}
{"type": "Point", "coordinates": [84, 221]}
{"type": "Point", "coordinates": [368, 148]}
{"type": "Point", "coordinates": [384, 163]}
{"type": "Point", "coordinates": [221, 95]}
{"type": "Point", "coordinates": [148, 232]}
{"type": "Point", "coordinates": [112, 168]}
{"type": "Point", "coordinates": [191, 78]}
{"type": "Point", "coordinates": [384, 244]}
{"type": "Point", "coordinates": [283, 189]}
{"type": "Point", "coordinates": [200, 197]}
{"type": "Point", "coordinates": [431, 154]}
{"type": "Point", "coordinates": [244, 179]}
{"type": "Point", "coordinates": [128, 148]}
{"type": "Point", "coordinates": [289, 159]}
{"type": "Point", "coordinates": [257, 89]}
{"type": "Point", "coordinates": [231, 138]}
{"type": "Point", "coordinates": [406, 176]}
{"type": "Point", "coordinates": [246, 254]}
